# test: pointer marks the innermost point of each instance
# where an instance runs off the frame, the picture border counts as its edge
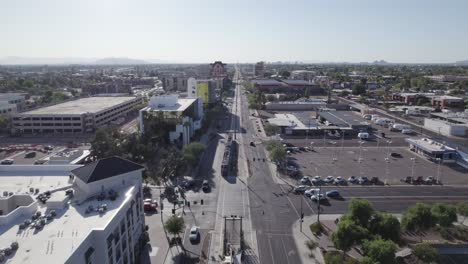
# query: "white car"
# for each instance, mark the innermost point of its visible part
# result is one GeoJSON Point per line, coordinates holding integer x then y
{"type": "Point", "coordinates": [319, 197]}
{"type": "Point", "coordinates": [316, 180]}
{"type": "Point", "coordinates": [305, 180]}
{"type": "Point", "coordinates": [329, 179]}
{"type": "Point", "coordinates": [194, 234]}
{"type": "Point", "coordinates": [339, 180]}
{"type": "Point", "coordinates": [311, 192]}
{"type": "Point", "coordinates": [352, 179]}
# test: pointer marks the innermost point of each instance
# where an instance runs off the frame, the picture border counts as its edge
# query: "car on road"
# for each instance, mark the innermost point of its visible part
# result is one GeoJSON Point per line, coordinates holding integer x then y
{"type": "Point", "coordinates": [318, 197]}
{"type": "Point", "coordinates": [291, 168]}
{"type": "Point", "coordinates": [48, 147]}
{"type": "Point", "coordinates": [407, 131]}
{"type": "Point", "coordinates": [252, 144]}
{"type": "Point", "coordinates": [340, 181]}
{"type": "Point", "coordinates": [333, 193]}
{"type": "Point", "coordinates": [7, 162]}
{"type": "Point", "coordinates": [187, 184]}
{"type": "Point", "coordinates": [149, 207]}
{"type": "Point", "coordinates": [353, 179]}
{"type": "Point", "coordinates": [311, 192]}
{"type": "Point", "coordinates": [305, 180]}
{"type": "Point", "coordinates": [194, 233]}
{"type": "Point", "coordinates": [329, 179]}
{"type": "Point", "coordinates": [363, 180]}
{"type": "Point", "coordinates": [396, 155]}
{"type": "Point", "coordinates": [300, 189]}
{"type": "Point", "coordinates": [302, 149]}
{"type": "Point", "coordinates": [206, 186]}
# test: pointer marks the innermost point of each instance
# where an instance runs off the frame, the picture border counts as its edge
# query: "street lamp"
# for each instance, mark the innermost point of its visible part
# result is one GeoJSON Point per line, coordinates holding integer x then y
{"type": "Point", "coordinates": [412, 168]}
{"type": "Point", "coordinates": [387, 161]}
{"type": "Point", "coordinates": [388, 147]}
{"type": "Point", "coordinates": [438, 169]}
{"type": "Point", "coordinates": [360, 150]}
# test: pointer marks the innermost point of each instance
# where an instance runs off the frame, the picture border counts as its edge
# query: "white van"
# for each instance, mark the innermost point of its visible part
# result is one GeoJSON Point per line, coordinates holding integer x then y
{"type": "Point", "coordinates": [399, 127]}
{"type": "Point", "coordinates": [363, 135]}
{"type": "Point", "coordinates": [375, 117]}
{"type": "Point", "coordinates": [407, 131]}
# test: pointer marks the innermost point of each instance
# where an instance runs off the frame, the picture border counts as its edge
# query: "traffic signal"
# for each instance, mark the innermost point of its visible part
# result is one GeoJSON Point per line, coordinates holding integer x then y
{"type": "Point", "coordinates": [173, 211]}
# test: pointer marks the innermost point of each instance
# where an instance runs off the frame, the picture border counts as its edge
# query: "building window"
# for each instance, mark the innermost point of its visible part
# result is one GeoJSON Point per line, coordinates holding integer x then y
{"type": "Point", "coordinates": [116, 235]}
{"type": "Point", "coordinates": [118, 253]}
{"type": "Point", "coordinates": [122, 226]}
{"type": "Point", "coordinates": [110, 256]}
{"type": "Point", "coordinates": [88, 255]}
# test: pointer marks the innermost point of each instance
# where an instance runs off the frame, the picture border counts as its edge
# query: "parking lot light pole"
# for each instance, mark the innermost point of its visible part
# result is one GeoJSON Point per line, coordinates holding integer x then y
{"type": "Point", "coordinates": [388, 148]}
{"type": "Point", "coordinates": [324, 144]}
{"type": "Point", "coordinates": [342, 140]}
{"type": "Point", "coordinates": [387, 161]}
{"type": "Point", "coordinates": [438, 169]}
{"type": "Point", "coordinates": [412, 168]}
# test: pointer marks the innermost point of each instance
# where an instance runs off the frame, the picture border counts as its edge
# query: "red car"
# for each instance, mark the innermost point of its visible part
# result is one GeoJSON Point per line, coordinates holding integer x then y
{"type": "Point", "coordinates": [150, 206]}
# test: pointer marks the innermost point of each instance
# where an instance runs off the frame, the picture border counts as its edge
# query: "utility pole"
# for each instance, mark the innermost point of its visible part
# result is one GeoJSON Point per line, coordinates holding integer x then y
{"type": "Point", "coordinates": [302, 216]}
{"type": "Point", "coordinates": [318, 202]}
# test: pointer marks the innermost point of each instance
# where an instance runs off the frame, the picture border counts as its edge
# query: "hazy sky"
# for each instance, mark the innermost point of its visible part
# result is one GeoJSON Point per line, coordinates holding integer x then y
{"type": "Point", "coordinates": [239, 30]}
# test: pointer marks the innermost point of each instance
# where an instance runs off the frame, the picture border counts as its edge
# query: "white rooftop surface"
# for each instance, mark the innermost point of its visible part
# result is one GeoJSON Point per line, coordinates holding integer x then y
{"type": "Point", "coordinates": [81, 106]}
{"type": "Point", "coordinates": [430, 144]}
{"type": "Point", "coordinates": [58, 239]}
{"type": "Point", "coordinates": [181, 105]}
{"type": "Point", "coordinates": [287, 120]}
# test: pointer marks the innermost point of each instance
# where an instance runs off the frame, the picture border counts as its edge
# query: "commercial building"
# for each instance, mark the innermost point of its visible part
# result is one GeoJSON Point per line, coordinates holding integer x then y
{"type": "Point", "coordinates": [72, 213]}
{"type": "Point", "coordinates": [342, 119]}
{"type": "Point", "coordinates": [448, 124]}
{"type": "Point", "coordinates": [447, 78]}
{"type": "Point", "coordinates": [181, 116]}
{"type": "Point", "coordinates": [437, 152]}
{"type": "Point", "coordinates": [410, 98]}
{"type": "Point", "coordinates": [7, 108]}
{"type": "Point", "coordinates": [287, 86]}
{"type": "Point", "coordinates": [448, 102]}
{"type": "Point", "coordinates": [303, 75]}
{"type": "Point", "coordinates": [77, 116]}
{"type": "Point", "coordinates": [218, 69]}
{"type": "Point", "coordinates": [11, 102]}
{"type": "Point", "coordinates": [174, 81]}
{"type": "Point", "coordinates": [205, 89]}
{"type": "Point", "coordinates": [259, 69]}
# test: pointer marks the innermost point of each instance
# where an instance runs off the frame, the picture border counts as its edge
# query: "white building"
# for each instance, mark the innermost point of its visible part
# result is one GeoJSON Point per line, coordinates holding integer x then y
{"type": "Point", "coordinates": [72, 213]}
{"type": "Point", "coordinates": [445, 128]}
{"type": "Point", "coordinates": [7, 108]}
{"type": "Point", "coordinates": [183, 114]}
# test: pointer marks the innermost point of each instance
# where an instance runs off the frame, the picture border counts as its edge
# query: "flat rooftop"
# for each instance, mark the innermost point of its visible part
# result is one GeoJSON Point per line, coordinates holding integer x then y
{"type": "Point", "coordinates": [429, 145]}
{"type": "Point", "coordinates": [81, 106]}
{"type": "Point", "coordinates": [181, 105]}
{"type": "Point", "coordinates": [58, 239]}
{"type": "Point", "coordinates": [342, 118]}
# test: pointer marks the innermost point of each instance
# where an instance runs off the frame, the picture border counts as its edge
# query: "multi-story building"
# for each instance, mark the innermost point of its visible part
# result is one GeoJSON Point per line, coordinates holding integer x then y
{"type": "Point", "coordinates": [73, 213]}
{"type": "Point", "coordinates": [410, 98]}
{"type": "Point", "coordinates": [16, 99]}
{"type": "Point", "coordinates": [174, 81]}
{"type": "Point", "coordinates": [7, 109]}
{"type": "Point", "coordinates": [218, 69]}
{"type": "Point", "coordinates": [77, 116]}
{"type": "Point", "coordinates": [259, 69]}
{"type": "Point", "coordinates": [205, 89]}
{"type": "Point", "coordinates": [183, 116]}
{"type": "Point", "coordinates": [303, 75]}
{"type": "Point", "coordinates": [448, 102]}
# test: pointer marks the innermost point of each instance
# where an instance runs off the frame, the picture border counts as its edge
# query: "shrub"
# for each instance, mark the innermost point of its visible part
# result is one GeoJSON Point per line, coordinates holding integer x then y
{"type": "Point", "coordinates": [316, 228]}
{"type": "Point", "coordinates": [311, 244]}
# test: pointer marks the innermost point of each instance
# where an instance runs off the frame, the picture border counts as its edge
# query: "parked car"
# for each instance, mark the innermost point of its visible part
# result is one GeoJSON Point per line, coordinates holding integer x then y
{"type": "Point", "coordinates": [252, 144]}
{"type": "Point", "coordinates": [407, 131]}
{"type": "Point", "coordinates": [194, 233]}
{"type": "Point", "coordinates": [305, 180]}
{"type": "Point", "coordinates": [205, 186]}
{"type": "Point", "coordinates": [311, 192]}
{"type": "Point", "coordinates": [363, 135]}
{"type": "Point", "coordinates": [329, 179]}
{"type": "Point", "coordinates": [418, 180]}
{"type": "Point", "coordinates": [300, 189]}
{"type": "Point", "coordinates": [352, 179]}
{"type": "Point", "coordinates": [7, 162]}
{"type": "Point", "coordinates": [30, 154]}
{"type": "Point", "coordinates": [395, 155]}
{"type": "Point", "coordinates": [407, 179]}
{"type": "Point", "coordinates": [318, 197]}
{"type": "Point", "coordinates": [429, 180]}
{"type": "Point", "coordinates": [340, 181]}
{"type": "Point", "coordinates": [48, 147]}
{"type": "Point", "coordinates": [363, 180]}
{"type": "Point", "coordinates": [316, 180]}
{"type": "Point", "coordinates": [187, 183]}
{"type": "Point", "coordinates": [333, 193]}
{"type": "Point", "coordinates": [374, 180]}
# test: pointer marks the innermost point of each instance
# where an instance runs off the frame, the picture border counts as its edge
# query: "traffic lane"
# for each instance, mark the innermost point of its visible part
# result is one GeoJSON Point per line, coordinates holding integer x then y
{"type": "Point", "coordinates": [194, 248]}
{"type": "Point", "coordinates": [405, 191]}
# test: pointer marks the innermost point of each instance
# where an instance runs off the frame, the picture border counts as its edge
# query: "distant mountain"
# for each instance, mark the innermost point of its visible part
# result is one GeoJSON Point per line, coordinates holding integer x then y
{"type": "Point", "coordinates": [462, 63]}
{"type": "Point", "coordinates": [120, 61]}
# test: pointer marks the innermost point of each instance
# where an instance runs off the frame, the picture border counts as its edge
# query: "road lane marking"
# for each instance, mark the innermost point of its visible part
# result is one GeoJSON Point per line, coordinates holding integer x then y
{"type": "Point", "coordinates": [271, 250]}
{"type": "Point", "coordinates": [295, 210]}
{"type": "Point", "coordinates": [285, 251]}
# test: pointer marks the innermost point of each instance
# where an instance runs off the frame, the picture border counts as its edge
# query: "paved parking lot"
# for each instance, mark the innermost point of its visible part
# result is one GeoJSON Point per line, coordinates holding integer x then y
{"type": "Point", "coordinates": [344, 162]}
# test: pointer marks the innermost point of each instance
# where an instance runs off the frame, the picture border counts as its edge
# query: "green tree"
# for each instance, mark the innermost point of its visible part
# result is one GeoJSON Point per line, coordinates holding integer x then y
{"type": "Point", "coordinates": [192, 152]}
{"type": "Point", "coordinates": [4, 123]}
{"type": "Point", "coordinates": [347, 234]}
{"type": "Point", "coordinates": [307, 93]}
{"type": "Point", "coordinates": [271, 129]}
{"type": "Point", "coordinates": [423, 101]}
{"type": "Point", "coordinates": [418, 218]}
{"type": "Point", "coordinates": [385, 225]}
{"type": "Point", "coordinates": [175, 225]}
{"type": "Point", "coordinates": [106, 143]}
{"type": "Point", "coordinates": [425, 252]}
{"type": "Point", "coordinates": [444, 214]}
{"type": "Point", "coordinates": [344, 93]}
{"type": "Point", "coordinates": [277, 152]}
{"type": "Point", "coordinates": [271, 98]}
{"type": "Point", "coordinates": [360, 211]}
{"type": "Point", "coordinates": [462, 209]}
{"type": "Point", "coordinates": [28, 83]}
{"type": "Point", "coordinates": [285, 73]}
{"type": "Point", "coordinates": [380, 250]}
{"type": "Point", "coordinates": [358, 89]}
{"type": "Point", "coordinates": [367, 260]}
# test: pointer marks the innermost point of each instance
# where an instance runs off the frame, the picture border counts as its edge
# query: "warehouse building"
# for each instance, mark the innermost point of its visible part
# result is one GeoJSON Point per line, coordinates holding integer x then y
{"type": "Point", "coordinates": [84, 115]}
{"type": "Point", "coordinates": [72, 213]}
